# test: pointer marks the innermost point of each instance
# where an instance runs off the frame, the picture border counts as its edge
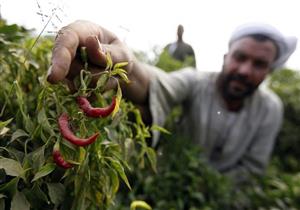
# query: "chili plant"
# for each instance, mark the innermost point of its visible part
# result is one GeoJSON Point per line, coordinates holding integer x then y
{"type": "Point", "coordinates": [39, 167]}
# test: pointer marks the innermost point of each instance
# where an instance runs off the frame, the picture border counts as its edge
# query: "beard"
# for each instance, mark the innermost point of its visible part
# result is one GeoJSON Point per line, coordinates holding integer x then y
{"type": "Point", "coordinates": [235, 86]}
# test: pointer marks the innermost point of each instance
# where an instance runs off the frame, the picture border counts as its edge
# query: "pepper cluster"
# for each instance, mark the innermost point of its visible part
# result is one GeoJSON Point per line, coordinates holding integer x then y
{"type": "Point", "coordinates": [67, 133]}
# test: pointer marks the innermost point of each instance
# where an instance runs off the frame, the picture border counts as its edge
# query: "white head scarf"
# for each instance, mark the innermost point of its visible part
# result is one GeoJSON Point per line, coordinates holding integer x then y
{"type": "Point", "coordinates": [286, 44]}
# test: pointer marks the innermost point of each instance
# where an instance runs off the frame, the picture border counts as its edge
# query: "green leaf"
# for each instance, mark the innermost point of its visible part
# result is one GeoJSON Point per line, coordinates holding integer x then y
{"type": "Point", "coordinates": [20, 100]}
{"type": "Point", "coordinates": [17, 134]}
{"type": "Point", "coordinates": [3, 131]}
{"type": "Point", "coordinates": [43, 120]}
{"type": "Point", "coordinates": [119, 168]}
{"type": "Point", "coordinates": [118, 70]}
{"type": "Point", "coordinates": [120, 65]}
{"type": "Point", "coordinates": [118, 100]}
{"type": "Point", "coordinates": [112, 134]}
{"type": "Point", "coordinates": [85, 79]}
{"type": "Point", "coordinates": [11, 167]}
{"type": "Point", "coordinates": [139, 204]}
{"type": "Point", "coordinates": [152, 157]}
{"type": "Point", "coordinates": [41, 99]}
{"type": "Point", "coordinates": [36, 196]}
{"type": "Point", "coordinates": [38, 157]}
{"type": "Point", "coordinates": [124, 77]}
{"type": "Point", "coordinates": [114, 181]}
{"type": "Point", "coordinates": [29, 124]}
{"type": "Point", "coordinates": [102, 80]}
{"type": "Point", "coordinates": [129, 147]}
{"type": "Point", "coordinates": [109, 62]}
{"type": "Point", "coordinates": [10, 187]}
{"type": "Point", "coordinates": [9, 29]}
{"type": "Point", "coordinates": [19, 202]}
{"type": "Point", "coordinates": [160, 129]}
{"type": "Point", "coordinates": [122, 73]}
{"type": "Point", "coordinates": [57, 192]}
{"type": "Point", "coordinates": [5, 123]}
{"type": "Point", "coordinates": [44, 171]}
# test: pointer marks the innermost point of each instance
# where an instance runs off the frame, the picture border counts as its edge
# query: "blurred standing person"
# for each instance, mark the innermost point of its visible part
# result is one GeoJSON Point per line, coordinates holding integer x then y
{"type": "Point", "coordinates": [178, 50]}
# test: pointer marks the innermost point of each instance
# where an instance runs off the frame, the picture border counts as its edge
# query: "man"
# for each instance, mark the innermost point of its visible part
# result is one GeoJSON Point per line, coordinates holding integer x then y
{"type": "Point", "coordinates": [181, 50]}
{"type": "Point", "coordinates": [229, 113]}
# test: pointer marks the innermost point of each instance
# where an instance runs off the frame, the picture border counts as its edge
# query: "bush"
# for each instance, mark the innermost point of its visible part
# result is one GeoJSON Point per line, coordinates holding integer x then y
{"type": "Point", "coordinates": [286, 83]}
{"type": "Point", "coordinates": [168, 63]}
{"type": "Point", "coordinates": [30, 107]}
{"type": "Point", "coordinates": [184, 181]}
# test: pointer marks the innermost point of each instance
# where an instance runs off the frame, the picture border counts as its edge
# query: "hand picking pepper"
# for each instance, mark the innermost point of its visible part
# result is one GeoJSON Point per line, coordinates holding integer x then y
{"type": "Point", "coordinates": [90, 111]}
{"type": "Point", "coordinates": [63, 122]}
{"type": "Point", "coordinates": [58, 158]}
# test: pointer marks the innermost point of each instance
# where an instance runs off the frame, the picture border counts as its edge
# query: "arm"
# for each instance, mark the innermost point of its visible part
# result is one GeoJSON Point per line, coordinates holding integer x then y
{"type": "Point", "coordinates": [66, 64]}
{"type": "Point", "coordinates": [194, 57]}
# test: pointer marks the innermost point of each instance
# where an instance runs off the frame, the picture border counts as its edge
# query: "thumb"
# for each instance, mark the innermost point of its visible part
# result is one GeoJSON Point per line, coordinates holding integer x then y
{"type": "Point", "coordinates": [95, 51]}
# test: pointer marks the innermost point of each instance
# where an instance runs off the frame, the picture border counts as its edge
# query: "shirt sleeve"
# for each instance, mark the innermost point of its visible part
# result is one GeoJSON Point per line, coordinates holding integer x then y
{"type": "Point", "coordinates": [167, 90]}
{"type": "Point", "coordinates": [259, 152]}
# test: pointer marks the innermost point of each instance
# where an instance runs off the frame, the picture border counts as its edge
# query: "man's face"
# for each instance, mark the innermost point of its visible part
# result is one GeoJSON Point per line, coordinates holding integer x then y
{"type": "Point", "coordinates": [180, 31]}
{"type": "Point", "coordinates": [245, 66]}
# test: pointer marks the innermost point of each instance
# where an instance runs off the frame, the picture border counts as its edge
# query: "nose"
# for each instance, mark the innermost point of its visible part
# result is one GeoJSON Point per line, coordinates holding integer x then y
{"type": "Point", "coordinates": [245, 69]}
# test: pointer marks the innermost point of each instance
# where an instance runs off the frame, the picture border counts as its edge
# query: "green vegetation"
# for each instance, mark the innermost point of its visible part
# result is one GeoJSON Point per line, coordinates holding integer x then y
{"type": "Point", "coordinates": [184, 181]}
{"type": "Point", "coordinates": [119, 171]}
{"type": "Point", "coordinates": [29, 111]}
{"type": "Point", "coordinates": [167, 63]}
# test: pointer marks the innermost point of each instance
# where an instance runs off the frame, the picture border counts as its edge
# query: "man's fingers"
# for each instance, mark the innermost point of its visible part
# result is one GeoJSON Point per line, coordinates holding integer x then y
{"type": "Point", "coordinates": [60, 65]}
{"type": "Point", "coordinates": [76, 66]}
{"type": "Point", "coordinates": [63, 53]}
{"type": "Point", "coordinates": [95, 52]}
{"type": "Point", "coordinates": [74, 36]}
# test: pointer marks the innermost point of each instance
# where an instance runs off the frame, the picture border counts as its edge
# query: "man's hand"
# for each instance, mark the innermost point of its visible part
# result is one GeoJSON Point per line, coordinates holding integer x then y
{"type": "Point", "coordinates": [66, 61]}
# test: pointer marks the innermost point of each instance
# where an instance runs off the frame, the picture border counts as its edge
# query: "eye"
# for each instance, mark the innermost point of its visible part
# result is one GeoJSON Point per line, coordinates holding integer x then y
{"type": "Point", "coordinates": [261, 64]}
{"type": "Point", "coordinates": [239, 57]}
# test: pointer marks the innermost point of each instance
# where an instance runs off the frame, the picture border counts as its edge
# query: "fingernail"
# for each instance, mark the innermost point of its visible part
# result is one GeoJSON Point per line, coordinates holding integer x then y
{"type": "Point", "coordinates": [102, 50]}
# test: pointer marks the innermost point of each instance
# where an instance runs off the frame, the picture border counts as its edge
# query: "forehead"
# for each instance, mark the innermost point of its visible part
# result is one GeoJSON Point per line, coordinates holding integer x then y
{"type": "Point", "coordinates": [259, 49]}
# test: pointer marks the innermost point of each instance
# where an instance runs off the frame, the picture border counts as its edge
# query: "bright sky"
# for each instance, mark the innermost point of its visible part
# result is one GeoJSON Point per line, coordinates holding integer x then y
{"type": "Point", "coordinates": [143, 24]}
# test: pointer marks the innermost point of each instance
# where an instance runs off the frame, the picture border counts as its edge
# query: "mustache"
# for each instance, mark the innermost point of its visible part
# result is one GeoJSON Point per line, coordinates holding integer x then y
{"type": "Point", "coordinates": [239, 78]}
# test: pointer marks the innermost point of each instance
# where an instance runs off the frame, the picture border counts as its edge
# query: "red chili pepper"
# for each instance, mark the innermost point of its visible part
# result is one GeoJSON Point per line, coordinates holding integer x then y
{"type": "Point", "coordinates": [90, 111]}
{"type": "Point", "coordinates": [63, 122]}
{"type": "Point", "coordinates": [58, 158]}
